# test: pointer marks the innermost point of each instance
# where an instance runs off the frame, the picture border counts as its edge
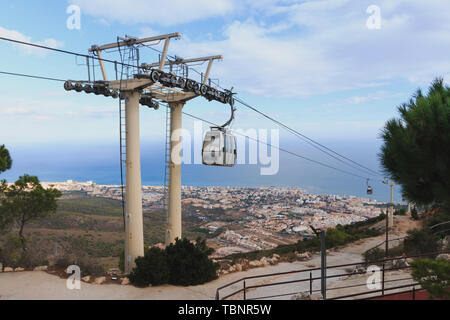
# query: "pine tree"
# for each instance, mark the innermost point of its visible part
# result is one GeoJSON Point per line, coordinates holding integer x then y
{"type": "Point", "coordinates": [416, 150]}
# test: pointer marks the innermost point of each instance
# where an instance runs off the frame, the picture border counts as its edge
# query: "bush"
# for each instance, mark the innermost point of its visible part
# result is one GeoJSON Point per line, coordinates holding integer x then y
{"type": "Point", "coordinates": [421, 242]}
{"type": "Point", "coordinates": [433, 275]}
{"type": "Point", "coordinates": [182, 263]}
{"type": "Point", "coordinates": [337, 237]}
{"type": "Point", "coordinates": [88, 266]}
{"type": "Point", "coordinates": [396, 251]}
{"type": "Point", "coordinates": [11, 251]}
{"type": "Point", "coordinates": [189, 263]}
{"type": "Point", "coordinates": [151, 269]}
{"type": "Point", "coordinates": [373, 255]}
{"type": "Point", "coordinates": [414, 214]}
{"type": "Point", "coordinates": [400, 212]}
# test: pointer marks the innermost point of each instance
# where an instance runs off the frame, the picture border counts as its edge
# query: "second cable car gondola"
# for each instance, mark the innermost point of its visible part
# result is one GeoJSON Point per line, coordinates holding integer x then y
{"type": "Point", "coordinates": [369, 188]}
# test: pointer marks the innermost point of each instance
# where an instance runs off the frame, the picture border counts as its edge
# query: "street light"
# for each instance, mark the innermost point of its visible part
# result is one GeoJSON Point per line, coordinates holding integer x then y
{"type": "Point", "coordinates": [323, 261]}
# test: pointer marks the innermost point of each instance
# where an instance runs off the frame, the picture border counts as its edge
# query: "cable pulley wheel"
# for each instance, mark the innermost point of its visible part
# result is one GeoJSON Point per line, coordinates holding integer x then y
{"type": "Point", "coordinates": [78, 87]}
{"type": "Point", "coordinates": [196, 88]}
{"type": "Point", "coordinates": [155, 75]}
{"type": "Point", "coordinates": [181, 83]}
{"type": "Point", "coordinates": [189, 85]}
{"type": "Point", "coordinates": [68, 86]}
{"type": "Point", "coordinates": [88, 89]}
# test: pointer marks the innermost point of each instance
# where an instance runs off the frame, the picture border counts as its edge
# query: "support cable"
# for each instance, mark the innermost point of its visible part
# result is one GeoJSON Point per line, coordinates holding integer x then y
{"type": "Point", "coordinates": [30, 76]}
{"type": "Point", "coordinates": [257, 140]}
{"type": "Point", "coordinates": [276, 147]}
{"type": "Point", "coordinates": [64, 51]}
{"type": "Point", "coordinates": [328, 151]}
{"type": "Point", "coordinates": [310, 141]}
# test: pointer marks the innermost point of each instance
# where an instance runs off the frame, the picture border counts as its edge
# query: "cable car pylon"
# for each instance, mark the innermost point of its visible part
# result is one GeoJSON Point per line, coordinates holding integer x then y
{"type": "Point", "coordinates": [146, 85]}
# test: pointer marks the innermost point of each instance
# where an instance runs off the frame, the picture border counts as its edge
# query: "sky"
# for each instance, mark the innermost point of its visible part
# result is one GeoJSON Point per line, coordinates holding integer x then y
{"type": "Point", "coordinates": [314, 65]}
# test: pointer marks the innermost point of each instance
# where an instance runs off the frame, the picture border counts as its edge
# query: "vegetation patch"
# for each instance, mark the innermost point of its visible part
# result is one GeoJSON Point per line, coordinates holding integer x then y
{"type": "Point", "coordinates": [183, 263]}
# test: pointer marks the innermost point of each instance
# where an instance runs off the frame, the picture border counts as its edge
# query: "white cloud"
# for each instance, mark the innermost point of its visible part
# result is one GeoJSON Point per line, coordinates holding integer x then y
{"type": "Point", "coordinates": [362, 99]}
{"type": "Point", "coordinates": [29, 50]}
{"type": "Point", "coordinates": [161, 12]}
{"type": "Point", "coordinates": [294, 48]}
{"type": "Point", "coordinates": [93, 112]}
{"type": "Point", "coordinates": [325, 46]}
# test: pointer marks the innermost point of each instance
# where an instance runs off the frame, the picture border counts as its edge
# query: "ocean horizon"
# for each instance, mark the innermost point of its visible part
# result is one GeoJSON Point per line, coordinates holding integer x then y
{"type": "Point", "coordinates": [100, 163]}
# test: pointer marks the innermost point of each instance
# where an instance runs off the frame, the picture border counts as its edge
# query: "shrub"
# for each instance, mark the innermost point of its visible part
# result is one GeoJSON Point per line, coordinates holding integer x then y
{"type": "Point", "coordinates": [421, 242]}
{"type": "Point", "coordinates": [414, 214]}
{"type": "Point", "coordinates": [11, 251]}
{"type": "Point", "coordinates": [151, 269]}
{"type": "Point", "coordinates": [396, 251]}
{"type": "Point", "coordinates": [189, 263]}
{"type": "Point", "coordinates": [337, 237]}
{"type": "Point", "coordinates": [182, 263]}
{"type": "Point", "coordinates": [373, 255]}
{"type": "Point", "coordinates": [88, 266]}
{"type": "Point", "coordinates": [433, 275]}
{"type": "Point", "coordinates": [400, 212]}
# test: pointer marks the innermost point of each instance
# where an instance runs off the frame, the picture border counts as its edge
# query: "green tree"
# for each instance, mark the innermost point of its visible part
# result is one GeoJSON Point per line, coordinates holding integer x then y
{"type": "Point", "coordinates": [5, 159]}
{"type": "Point", "coordinates": [416, 150]}
{"type": "Point", "coordinates": [25, 201]}
{"type": "Point", "coordinates": [433, 275]}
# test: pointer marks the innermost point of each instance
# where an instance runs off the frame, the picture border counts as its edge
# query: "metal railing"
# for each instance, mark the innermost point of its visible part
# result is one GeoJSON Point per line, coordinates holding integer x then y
{"type": "Point", "coordinates": [245, 288]}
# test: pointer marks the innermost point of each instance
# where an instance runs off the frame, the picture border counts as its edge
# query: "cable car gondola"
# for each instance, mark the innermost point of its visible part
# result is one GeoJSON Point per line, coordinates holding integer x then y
{"type": "Point", "coordinates": [219, 145]}
{"type": "Point", "coordinates": [219, 148]}
{"type": "Point", "coordinates": [369, 188]}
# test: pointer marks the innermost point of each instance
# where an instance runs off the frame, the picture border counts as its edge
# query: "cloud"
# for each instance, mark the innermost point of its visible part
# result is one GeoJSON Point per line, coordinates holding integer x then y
{"type": "Point", "coordinates": [318, 47]}
{"type": "Point", "coordinates": [161, 12]}
{"type": "Point", "coordinates": [364, 99]}
{"type": "Point", "coordinates": [93, 112]}
{"type": "Point", "coordinates": [28, 50]}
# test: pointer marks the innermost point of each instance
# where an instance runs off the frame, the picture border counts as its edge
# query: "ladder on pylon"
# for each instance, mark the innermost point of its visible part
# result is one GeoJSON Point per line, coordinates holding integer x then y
{"type": "Point", "coordinates": [166, 167]}
{"type": "Point", "coordinates": [123, 151]}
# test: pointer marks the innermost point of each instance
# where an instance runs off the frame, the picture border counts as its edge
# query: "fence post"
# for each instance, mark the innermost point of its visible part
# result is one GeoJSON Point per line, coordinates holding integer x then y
{"type": "Point", "coordinates": [217, 294]}
{"type": "Point", "coordinates": [310, 284]}
{"type": "Point", "coordinates": [323, 265]}
{"type": "Point", "coordinates": [382, 281]}
{"type": "Point", "coordinates": [414, 293]}
{"type": "Point", "coordinates": [245, 291]}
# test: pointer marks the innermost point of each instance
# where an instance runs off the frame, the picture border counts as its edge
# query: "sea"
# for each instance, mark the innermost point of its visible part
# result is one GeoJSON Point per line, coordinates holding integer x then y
{"type": "Point", "coordinates": [100, 162]}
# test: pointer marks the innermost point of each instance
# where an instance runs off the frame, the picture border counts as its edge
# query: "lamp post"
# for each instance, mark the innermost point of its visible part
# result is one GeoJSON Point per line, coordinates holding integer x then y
{"type": "Point", "coordinates": [323, 261]}
{"type": "Point", "coordinates": [390, 213]}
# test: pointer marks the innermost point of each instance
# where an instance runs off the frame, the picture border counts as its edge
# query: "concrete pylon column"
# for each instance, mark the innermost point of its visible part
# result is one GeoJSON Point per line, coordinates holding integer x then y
{"type": "Point", "coordinates": [174, 209]}
{"type": "Point", "coordinates": [134, 241]}
{"type": "Point", "coordinates": [391, 216]}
